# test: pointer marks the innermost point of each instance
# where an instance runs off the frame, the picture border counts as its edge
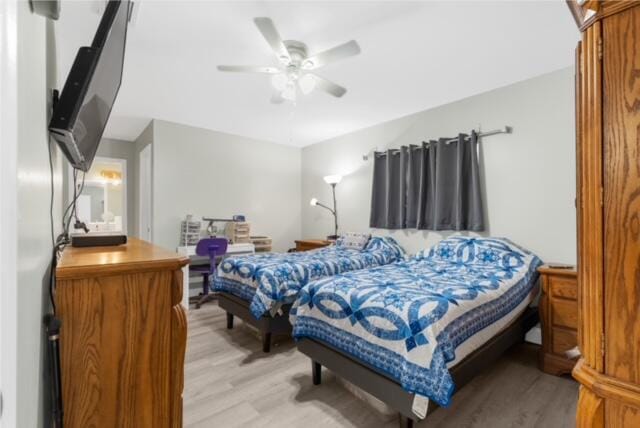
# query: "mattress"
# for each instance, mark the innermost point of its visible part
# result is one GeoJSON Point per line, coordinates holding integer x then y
{"type": "Point", "coordinates": [269, 281]}
{"type": "Point", "coordinates": [413, 320]}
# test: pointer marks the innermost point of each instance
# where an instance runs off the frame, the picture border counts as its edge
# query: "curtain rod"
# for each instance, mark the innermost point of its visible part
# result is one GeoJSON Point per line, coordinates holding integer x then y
{"type": "Point", "coordinates": [505, 130]}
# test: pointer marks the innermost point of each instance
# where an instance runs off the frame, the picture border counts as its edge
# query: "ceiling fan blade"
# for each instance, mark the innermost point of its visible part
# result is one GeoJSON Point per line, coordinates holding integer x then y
{"type": "Point", "coordinates": [329, 87]}
{"type": "Point", "coordinates": [269, 32]}
{"type": "Point", "coordinates": [337, 53]}
{"type": "Point", "coordinates": [249, 69]}
{"type": "Point", "coordinates": [276, 98]}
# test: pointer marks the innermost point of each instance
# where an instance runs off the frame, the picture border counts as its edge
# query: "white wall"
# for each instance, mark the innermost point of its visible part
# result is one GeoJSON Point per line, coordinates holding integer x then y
{"type": "Point", "coordinates": [529, 176]}
{"type": "Point", "coordinates": [36, 69]}
{"type": "Point", "coordinates": [8, 210]}
{"type": "Point", "coordinates": [208, 173]}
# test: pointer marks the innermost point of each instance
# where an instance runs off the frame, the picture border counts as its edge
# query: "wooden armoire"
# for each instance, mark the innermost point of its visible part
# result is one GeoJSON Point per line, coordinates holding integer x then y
{"type": "Point", "coordinates": [608, 206]}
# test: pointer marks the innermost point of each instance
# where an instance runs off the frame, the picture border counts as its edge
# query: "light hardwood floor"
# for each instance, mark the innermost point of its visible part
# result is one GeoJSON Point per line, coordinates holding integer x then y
{"type": "Point", "coordinates": [229, 383]}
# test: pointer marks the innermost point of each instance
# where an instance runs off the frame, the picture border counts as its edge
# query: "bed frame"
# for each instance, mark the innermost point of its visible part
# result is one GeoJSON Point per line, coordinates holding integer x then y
{"type": "Point", "coordinates": [267, 325]}
{"type": "Point", "coordinates": [388, 390]}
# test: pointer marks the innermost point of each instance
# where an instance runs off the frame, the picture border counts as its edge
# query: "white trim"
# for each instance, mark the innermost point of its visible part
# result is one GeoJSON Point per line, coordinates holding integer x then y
{"type": "Point", "coordinates": [145, 155]}
{"type": "Point", "coordinates": [8, 210]}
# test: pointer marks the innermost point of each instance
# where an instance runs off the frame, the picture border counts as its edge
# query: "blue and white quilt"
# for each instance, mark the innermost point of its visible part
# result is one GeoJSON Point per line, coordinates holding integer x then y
{"type": "Point", "coordinates": [412, 320]}
{"type": "Point", "coordinates": [271, 280]}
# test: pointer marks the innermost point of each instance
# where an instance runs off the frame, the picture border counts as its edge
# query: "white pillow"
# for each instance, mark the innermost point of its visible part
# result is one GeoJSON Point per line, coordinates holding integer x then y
{"type": "Point", "coordinates": [355, 241]}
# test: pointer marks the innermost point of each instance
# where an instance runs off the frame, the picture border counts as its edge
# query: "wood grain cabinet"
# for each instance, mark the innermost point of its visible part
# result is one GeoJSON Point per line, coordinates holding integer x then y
{"type": "Point", "coordinates": [559, 318]}
{"type": "Point", "coordinates": [123, 336]}
{"type": "Point", "coordinates": [608, 161]}
{"type": "Point", "coordinates": [311, 244]}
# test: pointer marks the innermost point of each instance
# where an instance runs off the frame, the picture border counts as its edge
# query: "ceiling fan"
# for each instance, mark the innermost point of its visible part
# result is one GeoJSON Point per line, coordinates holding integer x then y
{"type": "Point", "coordinates": [295, 66]}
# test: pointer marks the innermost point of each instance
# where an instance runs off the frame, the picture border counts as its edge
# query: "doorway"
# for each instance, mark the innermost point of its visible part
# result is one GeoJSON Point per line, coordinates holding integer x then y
{"type": "Point", "coordinates": [102, 203]}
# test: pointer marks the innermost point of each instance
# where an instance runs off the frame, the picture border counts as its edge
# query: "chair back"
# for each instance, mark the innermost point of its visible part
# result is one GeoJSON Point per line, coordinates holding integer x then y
{"type": "Point", "coordinates": [212, 248]}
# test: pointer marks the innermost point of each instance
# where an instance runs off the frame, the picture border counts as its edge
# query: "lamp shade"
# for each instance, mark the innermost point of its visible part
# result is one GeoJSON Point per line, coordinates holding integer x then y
{"type": "Point", "coordinates": [332, 179]}
{"type": "Point", "coordinates": [313, 202]}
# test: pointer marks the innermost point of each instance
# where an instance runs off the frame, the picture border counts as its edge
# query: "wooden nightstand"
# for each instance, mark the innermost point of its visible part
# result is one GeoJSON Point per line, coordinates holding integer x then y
{"type": "Point", "coordinates": [558, 318]}
{"type": "Point", "coordinates": [311, 244]}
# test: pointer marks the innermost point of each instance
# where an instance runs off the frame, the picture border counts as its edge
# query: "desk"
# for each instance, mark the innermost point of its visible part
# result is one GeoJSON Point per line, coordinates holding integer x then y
{"type": "Point", "coordinates": [235, 249]}
{"type": "Point", "coordinates": [190, 251]}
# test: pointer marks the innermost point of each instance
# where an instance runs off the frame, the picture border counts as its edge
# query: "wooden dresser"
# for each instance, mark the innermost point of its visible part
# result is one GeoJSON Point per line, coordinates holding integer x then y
{"type": "Point", "coordinates": [311, 244]}
{"type": "Point", "coordinates": [608, 154]}
{"type": "Point", "coordinates": [123, 336]}
{"type": "Point", "coordinates": [558, 318]}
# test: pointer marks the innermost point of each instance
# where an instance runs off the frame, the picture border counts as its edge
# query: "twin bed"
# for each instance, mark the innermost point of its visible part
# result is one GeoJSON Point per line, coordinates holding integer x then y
{"type": "Point", "coordinates": [261, 288]}
{"type": "Point", "coordinates": [409, 332]}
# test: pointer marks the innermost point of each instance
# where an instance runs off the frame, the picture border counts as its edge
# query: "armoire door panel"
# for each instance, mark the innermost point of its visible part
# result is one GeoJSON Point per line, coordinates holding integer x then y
{"type": "Point", "coordinates": [619, 415]}
{"type": "Point", "coordinates": [590, 221]}
{"type": "Point", "coordinates": [590, 409]}
{"type": "Point", "coordinates": [621, 110]}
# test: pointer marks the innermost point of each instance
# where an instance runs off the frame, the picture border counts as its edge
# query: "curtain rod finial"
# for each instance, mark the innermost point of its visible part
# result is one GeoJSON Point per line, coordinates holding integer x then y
{"type": "Point", "coordinates": [372, 152]}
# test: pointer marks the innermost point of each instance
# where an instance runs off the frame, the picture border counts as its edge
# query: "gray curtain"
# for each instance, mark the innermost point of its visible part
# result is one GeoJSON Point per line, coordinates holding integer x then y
{"type": "Point", "coordinates": [441, 188]}
{"type": "Point", "coordinates": [389, 198]}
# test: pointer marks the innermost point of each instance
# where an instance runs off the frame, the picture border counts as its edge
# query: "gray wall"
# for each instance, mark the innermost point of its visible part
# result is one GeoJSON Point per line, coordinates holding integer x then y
{"type": "Point", "coordinates": [529, 176]}
{"type": "Point", "coordinates": [208, 173]}
{"type": "Point", "coordinates": [36, 71]}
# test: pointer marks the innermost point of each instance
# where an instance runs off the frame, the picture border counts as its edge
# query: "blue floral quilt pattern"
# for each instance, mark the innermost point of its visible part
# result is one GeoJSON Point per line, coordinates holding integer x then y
{"type": "Point", "coordinates": [407, 319]}
{"type": "Point", "coordinates": [270, 280]}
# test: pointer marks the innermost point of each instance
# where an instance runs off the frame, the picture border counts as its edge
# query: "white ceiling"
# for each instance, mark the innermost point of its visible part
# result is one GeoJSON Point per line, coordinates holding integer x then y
{"type": "Point", "coordinates": [415, 55]}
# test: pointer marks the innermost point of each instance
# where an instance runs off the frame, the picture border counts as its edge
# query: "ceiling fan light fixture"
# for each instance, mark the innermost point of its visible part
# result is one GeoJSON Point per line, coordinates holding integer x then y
{"type": "Point", "coordinates": [289, 92]}
{"type": "Point", "coordinates": [307, 83]}
{"type": "Point", "coordinates": [294, 63]}
{"type": "Point", "coordinates": [280, 81]}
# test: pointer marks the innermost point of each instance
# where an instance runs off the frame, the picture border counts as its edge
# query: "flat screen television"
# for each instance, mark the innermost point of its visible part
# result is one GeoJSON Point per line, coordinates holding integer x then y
{"type": "Point", "coordinates": [81, 114]}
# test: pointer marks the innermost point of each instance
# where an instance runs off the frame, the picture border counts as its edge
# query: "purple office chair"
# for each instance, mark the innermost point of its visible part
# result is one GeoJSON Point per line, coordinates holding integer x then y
{"type": "Point", "coordinates": [214, 248]}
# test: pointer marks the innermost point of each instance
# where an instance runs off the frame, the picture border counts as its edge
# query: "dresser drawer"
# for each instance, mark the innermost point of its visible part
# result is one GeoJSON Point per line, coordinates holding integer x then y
{"type": "Point", "coordinates": [563, 287]}
{"type": "Point", "coordinates": [558, 318]}
{"type": "Point", "coordinates": [563, 340]}
{"type": "Point", "coordinates": [564, 313]}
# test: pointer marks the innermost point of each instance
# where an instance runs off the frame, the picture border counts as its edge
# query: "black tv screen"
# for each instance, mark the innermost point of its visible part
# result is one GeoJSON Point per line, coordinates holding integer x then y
{"type": "Point", "coordinates": [81, 114]}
